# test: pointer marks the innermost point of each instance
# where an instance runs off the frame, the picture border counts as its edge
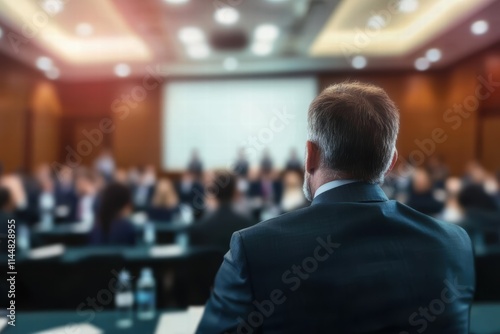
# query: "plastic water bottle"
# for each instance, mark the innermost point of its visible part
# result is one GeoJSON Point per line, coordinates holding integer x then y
{"type": "Point", "coordinates": [124, 300]}
{"type": "Point", "coordinates": [149, 234]}
{"type": "Point", "coordinates": [23, 238]}
{"type": "Point", "coordinates": [146, 295]}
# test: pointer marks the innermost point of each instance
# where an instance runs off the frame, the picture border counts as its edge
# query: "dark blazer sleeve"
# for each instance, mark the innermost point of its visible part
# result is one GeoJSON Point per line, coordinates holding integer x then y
{"type": "Point", "coordinates": [231, 299]}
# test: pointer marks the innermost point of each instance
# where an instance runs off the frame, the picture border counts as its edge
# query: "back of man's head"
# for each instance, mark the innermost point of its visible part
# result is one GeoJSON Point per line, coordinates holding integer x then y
{"type": "Point", "coordinates": [224, 185]}
{"type": "Point", "coordinates": [355, 126]}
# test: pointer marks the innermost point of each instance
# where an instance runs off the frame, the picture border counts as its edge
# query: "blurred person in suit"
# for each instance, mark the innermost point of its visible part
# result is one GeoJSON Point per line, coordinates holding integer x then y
{"type": "Point", "coordinates": [87, 192]}
{"type": "Point", "coordinates": [112, 224]}
{"type": "Point", "coordinates": [438, 171]}
{"type": "Point", "coordinates": [216, 228]}
{"type": "Point", "coordinates": [104, 164]}
{"type": "Point", "coordinates": [195, 165]}
{"type": "Point", "coordinates": [165, 203]}
{"type": "Point", "coordinates": [421, 197]}
{"type": "Point", "coordinates": [65, 195]}
{"type": "Point", "coordinates": [241, 166]}
{"type": "Point", "coordinates": [143, 189]}
{"type": "Point", "coordinates": [191, 192]}
{"type": "Point", "coordinates": [293, 196]}
{"type": "Point", "coordinates": [353, 261]}
{"type": "Point", "coordinates": [294, 162]}
{"type": "Point", "coordinates": [266, 163]}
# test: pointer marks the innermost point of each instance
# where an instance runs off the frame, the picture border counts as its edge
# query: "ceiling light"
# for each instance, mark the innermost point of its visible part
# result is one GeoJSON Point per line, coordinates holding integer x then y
{"type": "Point", "coordinates": [262, 48]}
{"type": "Point", "coordinates": [44, 63]}
{"type": "Point", "coordinates": [176, 2]}
{"type": "Point", "coordinates": [266, 32]}
{"type": "Point", "coordinates": [198, 51]}
{"type": "Point", "coordinates": [84, 29]}
{"type": "Point", "coordinates": [376, 22]}
{"type": "Point", "coordinates": [52, 73]}
{"type": "Point", "coordinates": [53, 6]}
{"type": "Point", "coordinates": [359, 62]}
{"type": "Point", "coordinates": [479, 27]}
{"type": "Point", "coordinates": [422, 64]}
{"type": "Point", "coordinates": [408, 6]}
{"type": "Point", "coordinates": [433, 55]}
{"type": "Point", "coordinates": [230, 63]}
{"type": "Point", "coordinates": [191, 35]}
{"type": "Point", "coordinates": [122, 70]}
{"type": "Point", "coordinates": [226, 15]}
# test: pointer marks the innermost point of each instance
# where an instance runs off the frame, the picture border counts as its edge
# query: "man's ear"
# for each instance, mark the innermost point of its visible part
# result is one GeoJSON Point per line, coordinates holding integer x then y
{"type": "Point", "coordinates": [393, 162]}
{"type": "Point", "coordinates": [313, 157]}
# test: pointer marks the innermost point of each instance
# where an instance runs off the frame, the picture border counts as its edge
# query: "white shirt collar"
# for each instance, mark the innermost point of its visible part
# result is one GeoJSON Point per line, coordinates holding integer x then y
{"type": "Point", "coordinates": [330, 185]}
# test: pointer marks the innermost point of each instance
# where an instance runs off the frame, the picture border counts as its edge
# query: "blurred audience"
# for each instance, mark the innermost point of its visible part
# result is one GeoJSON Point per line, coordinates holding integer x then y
{"type": "Point", "coordinates": [216, 228]}
{"type": "Point", "coordinates": [294, 162]}
{"type": "Point", "coordinates": [422, 197]}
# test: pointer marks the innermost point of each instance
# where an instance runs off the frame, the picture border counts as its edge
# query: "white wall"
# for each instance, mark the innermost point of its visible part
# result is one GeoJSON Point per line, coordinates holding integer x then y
{"type": "Point", "coordinates": [220, 116]}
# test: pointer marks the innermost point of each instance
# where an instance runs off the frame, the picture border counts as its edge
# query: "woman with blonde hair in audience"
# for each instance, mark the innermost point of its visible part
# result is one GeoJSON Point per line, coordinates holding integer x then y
{"type": "Point", "coordinates": [165, 202]}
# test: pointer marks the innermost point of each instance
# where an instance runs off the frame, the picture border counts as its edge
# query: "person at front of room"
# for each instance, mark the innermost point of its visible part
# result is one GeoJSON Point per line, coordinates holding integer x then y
{"type": "Point", "coordinates": [353, 261]}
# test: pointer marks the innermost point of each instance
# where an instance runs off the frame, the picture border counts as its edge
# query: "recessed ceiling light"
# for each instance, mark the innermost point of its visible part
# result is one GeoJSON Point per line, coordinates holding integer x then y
{"type": "Point", "coordinates": [191, 35]}
{"type": "Point", "coordinates": [479, 27]}
{"type": "Point", "coordinates": [266, 32]}
{"type": "Point", "coordinates": [176, 2]}
{"type": "Point", "coordinates": [122, 70]}
{"type": "Point", "coordinates": [408, 6]}
{"type": "Point", "coordinates": [226, 15]}
{"type": "Point", "coordinates": [433, 55]}
{"type": "Point", "coordinates": [198, 51]}
{"type": "Point", "coordinates": [359, 62]}
{"type": "Point", "coordinates": [53, 6]}
{"type": "Point", "coordinates": [44, 63]}
{"type": "Point", "coordinates": [52, 73]}
{"type": "Point", "coordinates": [84, 29]}
{"type": "Point", "coordinates": [262, 48]}
{"type": "Point", "coordinates": [376, 22]}
{"type": "Point", "coordinates": [230, 63]}
{"type": "Point", "coordinates": [422, 64]}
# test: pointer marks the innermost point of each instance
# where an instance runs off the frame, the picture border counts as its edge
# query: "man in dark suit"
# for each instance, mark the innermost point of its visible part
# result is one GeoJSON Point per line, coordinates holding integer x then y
{"type": "Point", "coordinates": [353, 261]}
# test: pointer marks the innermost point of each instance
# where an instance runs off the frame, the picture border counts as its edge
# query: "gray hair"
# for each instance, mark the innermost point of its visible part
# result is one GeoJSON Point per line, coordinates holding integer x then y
{"type": "Point", "coordinates": [355, 126]}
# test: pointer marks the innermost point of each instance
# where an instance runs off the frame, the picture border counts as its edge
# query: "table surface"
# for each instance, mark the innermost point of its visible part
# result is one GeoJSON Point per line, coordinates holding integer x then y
{"type": "Point", "coordinates": [485, 319]}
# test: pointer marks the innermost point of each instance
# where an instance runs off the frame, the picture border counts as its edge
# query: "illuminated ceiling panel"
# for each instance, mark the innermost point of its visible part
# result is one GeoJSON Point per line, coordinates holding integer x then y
{"type": "Point", "coordinates": [111, 39]}
{"type": "Point", "coordinates": [381, 28]}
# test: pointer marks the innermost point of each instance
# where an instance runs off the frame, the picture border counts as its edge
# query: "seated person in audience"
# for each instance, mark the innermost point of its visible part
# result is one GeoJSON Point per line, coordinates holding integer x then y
{"type": "Point", "coordinates": [266, 163]}
{"type": "Point", "coordinates": [195, 165]}
{"type": "Point", "coordinates": [112, 225]}
{"type": "Point", "coordinates": [87, 193]}
{"type": "Point", "coordinates": [294, 162]}
{"type": "Point", "coordinates": [217, 227]}
{"type": "Point", "coordinates": [165, 203]}
{"type": "Point", "coordinates": [143, 189]}
{"type": "Point", "coordinates": [421, 197]}
{"type": "Point", "coordinates": [481, 215]}
{"type": "Point", "coordinates": [65, 195]}
{"type": "Point", "coordinates": [191, 192]}
{"type": "Point", "coordinates": [438, 171]}
{"type": "Point", "coordinates": [241, 166]}
{"type": "Point", "coordinates": [105, 164]}
{"type": "Point", "coordinates": [293, 196]}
